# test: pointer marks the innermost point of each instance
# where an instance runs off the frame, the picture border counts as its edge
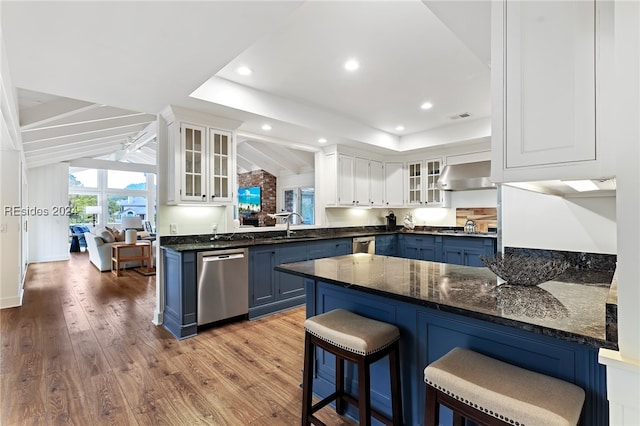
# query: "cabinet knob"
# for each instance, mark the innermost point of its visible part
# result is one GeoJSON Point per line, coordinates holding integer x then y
{"type": "Point", "coordinates": [204, 196]}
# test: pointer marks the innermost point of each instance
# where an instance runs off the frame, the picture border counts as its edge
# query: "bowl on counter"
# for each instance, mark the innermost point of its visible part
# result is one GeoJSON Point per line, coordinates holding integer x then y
{"type": "Point", "coordinates": [524, 270]}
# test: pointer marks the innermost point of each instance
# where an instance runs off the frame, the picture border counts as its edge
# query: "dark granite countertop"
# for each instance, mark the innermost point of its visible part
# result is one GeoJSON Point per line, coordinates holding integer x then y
{"type": "Point", "coordinates": [276, 236]}
{"type": "Point", "coordinates": [564, 310]}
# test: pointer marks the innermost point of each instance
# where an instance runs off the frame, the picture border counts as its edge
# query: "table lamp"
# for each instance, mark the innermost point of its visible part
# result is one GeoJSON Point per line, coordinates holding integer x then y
{"type": "Point", "coordinates": [94, 211]}
{"type": "Point", "coordinates": [131, 224]}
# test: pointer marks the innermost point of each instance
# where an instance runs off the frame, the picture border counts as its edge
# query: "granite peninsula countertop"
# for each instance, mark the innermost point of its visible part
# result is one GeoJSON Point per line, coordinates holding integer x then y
{"type": "Point", "coordinates": [277, 236]}
{"type": "Point", "coordinates": [565, 310]}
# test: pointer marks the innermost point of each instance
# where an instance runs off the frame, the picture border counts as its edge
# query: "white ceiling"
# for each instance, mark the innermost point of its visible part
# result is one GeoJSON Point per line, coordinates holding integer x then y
{"type": "Point", "coordinates": [94, 74]}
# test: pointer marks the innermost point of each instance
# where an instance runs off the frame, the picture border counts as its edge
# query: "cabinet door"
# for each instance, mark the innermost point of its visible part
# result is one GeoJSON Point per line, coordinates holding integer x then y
{"type": "Point", "coordinates": [387, 245]}
{"type": "Point", "coordinates": [220, 169]}
{"type": "Point", "coordinates": [472, 257]}
{"type": "Point", "coordinates": [393, 184]}
{"type": "Point", "coordinates": [193, 180]}
{"type": "Point", "coordinates": [434, 196]}
{"type": "Point", "coordinates": [346, 170]}
{"type": "Point", "coordinates": [262, 277]}
{"type": "Point", "coordinates": [290, 285]}
{"type": "Point", "coordinates": [549, 82]}
{"type": "Point", "coordinates": [361, 181]}
{"type": "Point", "coordinates": [342, 247]}
{"type": "Point", "coordinates": [376, 183]}
{"type": "Point", "coordinates": [453, 255]}
{"type": "Point", "coordinates": [414, 183]}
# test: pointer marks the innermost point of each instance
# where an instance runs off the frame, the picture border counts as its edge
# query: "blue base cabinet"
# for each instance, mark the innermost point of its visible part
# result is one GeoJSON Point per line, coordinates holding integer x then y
{"type": "Point", "coordinates": [428, 334]}
{"type": "Point", "coordinates": [271, 291]}
{"type": "Point", "coordinates": [420, 246]}
{"type": "Point", "coordinates": [466, 250]}
{"type": "Point", "coordinates": [179, 282]}
{"type": "Point", "coordinates": [446, 249]}
{"type": "Point", "coordinates": [387, 245]}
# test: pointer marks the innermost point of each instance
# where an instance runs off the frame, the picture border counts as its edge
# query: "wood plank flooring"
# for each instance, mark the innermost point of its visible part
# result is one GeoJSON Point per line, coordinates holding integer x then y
{"type": "Point", "coordinates": [82, 350]}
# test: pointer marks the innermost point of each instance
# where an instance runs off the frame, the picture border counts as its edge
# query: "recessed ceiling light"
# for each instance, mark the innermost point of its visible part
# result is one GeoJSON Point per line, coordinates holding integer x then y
{"type": "Point", "coordinates": [351, 65]}
{"type": "Point", "coordinates": [399, 128]}
{"type": "Point", "coordinates": [266, 127]}
{"type": "Point", "coordinates": [244, 70]}
{"type": "Point", "coordinates": [426, 105]}
{"type": "Point", "coordinates": [322, 140]}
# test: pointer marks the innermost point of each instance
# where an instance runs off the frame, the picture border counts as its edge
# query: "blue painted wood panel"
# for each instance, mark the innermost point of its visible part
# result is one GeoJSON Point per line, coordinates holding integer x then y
{"type": "Point", "coordinates": [428, 334]}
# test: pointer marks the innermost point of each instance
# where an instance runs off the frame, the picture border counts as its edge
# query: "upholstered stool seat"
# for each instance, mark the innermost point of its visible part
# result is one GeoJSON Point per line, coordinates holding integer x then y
{"type": "Point", "coordinates": [356, 339]}
{"type": "Point", "coordinates": [493, 392]}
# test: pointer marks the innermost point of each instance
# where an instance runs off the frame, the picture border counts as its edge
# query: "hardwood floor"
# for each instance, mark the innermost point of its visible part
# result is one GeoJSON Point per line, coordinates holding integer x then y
{"type": "Point", "coordinates": [82, 350]}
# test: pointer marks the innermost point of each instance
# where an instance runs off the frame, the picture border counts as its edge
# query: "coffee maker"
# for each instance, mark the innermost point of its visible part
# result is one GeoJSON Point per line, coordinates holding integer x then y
{"type": "Point", "coordinates": [391, 221]}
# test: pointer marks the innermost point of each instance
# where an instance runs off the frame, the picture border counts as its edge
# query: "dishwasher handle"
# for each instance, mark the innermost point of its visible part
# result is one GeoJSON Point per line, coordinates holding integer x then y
{"type": "Point", "coordinates": [222, 257]}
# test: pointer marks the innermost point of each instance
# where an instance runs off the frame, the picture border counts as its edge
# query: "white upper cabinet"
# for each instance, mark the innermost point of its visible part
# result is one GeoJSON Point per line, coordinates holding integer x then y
{"type": "Point", "coordinates": [393, 184]}
{"type": "Point", "coordinates": [422, 189]}
{"type": "Point", "coordinates": [346, 179]}
{"type": "Point", "coordinates": [352, 181]}
{"type": "Point", "coordinates": [220, 171]}
{"type": "Point", "coordinates": [201, 167]}
{"type": "Point", "coordinates": [193, 181]}
{"type": "Point", "coordinates": [376, 183]}
{"type": "Point", "coordinates": [545, 90]}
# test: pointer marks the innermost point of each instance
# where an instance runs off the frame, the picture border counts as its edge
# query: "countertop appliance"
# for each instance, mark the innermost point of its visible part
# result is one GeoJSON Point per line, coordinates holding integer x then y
{"type": "Point", "coordinates": [364, 245]}
{"type": "Point", "coordinates": [223, 285]}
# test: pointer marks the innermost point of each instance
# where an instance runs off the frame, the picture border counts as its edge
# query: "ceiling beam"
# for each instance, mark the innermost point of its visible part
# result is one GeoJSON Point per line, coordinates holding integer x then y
{"type": "Point", "coordinates": [245, 164]}
{"type": "Point", "coordinates": [279, 156]}
{"type": "Point", "coordinates": [250, 155]}
{"type": "Point", "coordinates": [66, 156]}
{"type": "Point", "coordinates": [120, 132]}
{"type": "Point", "coordinates": [113, 144]}
{"type": "Point", "coordinates": [34, 135]}
{"type": "Point", "coordinates": [94, 163]}
{"type": "Point", "coordinates": [50, 111]}
{"type": "Point", "coordinates": [237, 96]}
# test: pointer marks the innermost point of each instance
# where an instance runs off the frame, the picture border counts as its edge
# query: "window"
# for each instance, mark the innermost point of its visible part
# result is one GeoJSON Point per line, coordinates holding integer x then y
{"type": "Point", "coordinates": [83, 178]}
{"type": "Point", "coordinates": [117, 179]}
{"type": "Point", "coordinates": [78, 204]}
{"type": "Point", "coordinates": [118, 193]}
{"type": "Point", "coordinates": [302, 201]}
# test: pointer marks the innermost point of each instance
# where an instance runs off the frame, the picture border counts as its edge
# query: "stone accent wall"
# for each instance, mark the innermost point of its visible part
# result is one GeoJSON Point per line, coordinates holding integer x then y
{"type": "Point", "coordinates": [267, 183]}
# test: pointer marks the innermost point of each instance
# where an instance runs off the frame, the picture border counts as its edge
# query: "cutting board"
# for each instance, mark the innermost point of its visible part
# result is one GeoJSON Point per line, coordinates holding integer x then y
{"type": "Point", "coordinates": [485, 217]}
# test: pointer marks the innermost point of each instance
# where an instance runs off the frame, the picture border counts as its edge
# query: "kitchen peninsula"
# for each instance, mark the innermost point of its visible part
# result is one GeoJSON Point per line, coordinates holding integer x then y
{"type": "Point", "coordinates": [555, 328]}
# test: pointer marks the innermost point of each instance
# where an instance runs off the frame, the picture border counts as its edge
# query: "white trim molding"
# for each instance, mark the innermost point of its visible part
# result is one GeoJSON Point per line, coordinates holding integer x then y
{"type": "Point", "coordinates": [623, 387]}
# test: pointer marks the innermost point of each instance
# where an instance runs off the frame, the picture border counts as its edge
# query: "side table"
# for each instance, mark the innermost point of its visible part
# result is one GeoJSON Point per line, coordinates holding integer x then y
{"type": "Point", "coordinates": [141, 251]}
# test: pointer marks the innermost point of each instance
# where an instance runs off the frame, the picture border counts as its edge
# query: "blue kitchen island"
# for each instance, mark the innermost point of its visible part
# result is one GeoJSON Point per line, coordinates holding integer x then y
{"type": "Point", "coordinates": [555, 328]}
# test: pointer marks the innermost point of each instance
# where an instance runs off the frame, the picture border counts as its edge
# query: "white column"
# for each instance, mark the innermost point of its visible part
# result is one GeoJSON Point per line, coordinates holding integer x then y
{"type": "Point", "coordinates": [623, 367]}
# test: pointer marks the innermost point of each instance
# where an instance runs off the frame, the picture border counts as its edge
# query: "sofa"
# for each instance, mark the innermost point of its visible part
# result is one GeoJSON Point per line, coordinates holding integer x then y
{"type": "Point", "coordinates": [100, 252]}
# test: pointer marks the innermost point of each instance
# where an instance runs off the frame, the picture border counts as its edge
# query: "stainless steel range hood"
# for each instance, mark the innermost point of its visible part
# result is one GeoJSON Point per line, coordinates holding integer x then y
{"type": "Point", "coordinates": [458, 177]}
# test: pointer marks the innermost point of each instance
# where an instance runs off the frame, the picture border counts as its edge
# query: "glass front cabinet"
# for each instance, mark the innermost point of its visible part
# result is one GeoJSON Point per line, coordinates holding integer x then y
{"type": "Point", "coordinates": [422, 184]}
{"type": "Point", "coordinates": [205, 165]}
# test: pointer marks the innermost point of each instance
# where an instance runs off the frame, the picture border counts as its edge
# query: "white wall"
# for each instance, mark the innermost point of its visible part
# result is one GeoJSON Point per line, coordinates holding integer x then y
{"type": "Point", "coordinates": [12, 231]}
{"type": "Point", "coordinates": [49, 232]}
{"type": "Point", "coordinates": [338, 217]}
{"type": "Point", "coordinates": [193, 220]}
{"type": "Point", "coordinates": [542, 221]}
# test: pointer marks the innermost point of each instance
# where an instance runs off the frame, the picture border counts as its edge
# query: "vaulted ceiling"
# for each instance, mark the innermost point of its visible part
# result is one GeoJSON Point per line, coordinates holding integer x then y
{"type": "Point", "coordinates": [93, 76]}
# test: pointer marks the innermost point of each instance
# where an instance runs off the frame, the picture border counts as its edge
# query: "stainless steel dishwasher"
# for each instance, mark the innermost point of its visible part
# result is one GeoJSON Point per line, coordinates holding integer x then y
{"type": "Point", "coordinates": [223, 285]}
{"type": "Point", "coordinates": [364, 245]}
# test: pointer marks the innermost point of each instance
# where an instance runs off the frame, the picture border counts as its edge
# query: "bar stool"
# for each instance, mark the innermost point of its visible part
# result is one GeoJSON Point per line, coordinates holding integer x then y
{"type": "Point", "coordinates": [492, 392]}
{"type": "Point", "coordinates": [362, 341]}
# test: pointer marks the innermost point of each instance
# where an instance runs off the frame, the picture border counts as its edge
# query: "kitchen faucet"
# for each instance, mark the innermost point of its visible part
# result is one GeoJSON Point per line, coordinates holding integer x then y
{"type": "Point", "coordinates": [288, 220]}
